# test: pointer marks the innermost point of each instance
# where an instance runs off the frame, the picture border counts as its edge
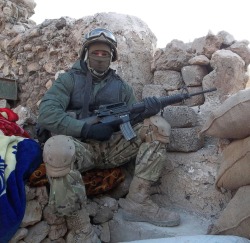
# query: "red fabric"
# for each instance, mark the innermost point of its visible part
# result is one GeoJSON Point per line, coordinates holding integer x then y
{"type": "Point", "coordinates": [12, 116]}
{"type": "Point", "coordinates": [8, 126]}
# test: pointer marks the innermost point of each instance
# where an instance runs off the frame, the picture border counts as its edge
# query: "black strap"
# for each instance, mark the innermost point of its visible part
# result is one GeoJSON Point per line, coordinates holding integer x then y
{"type": "Point", "coordinates": [86, 98]}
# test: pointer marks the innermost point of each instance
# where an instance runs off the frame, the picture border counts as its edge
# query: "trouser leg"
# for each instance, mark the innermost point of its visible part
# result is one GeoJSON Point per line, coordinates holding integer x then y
{"type": "Point", "coordinates": [80, 228]}
{"type": "Point", "coordinates": [138, 206]}
{"type": "Point", "coordinates": [67, 190]}
{"type": "Point", "coordinates": [149, 150]}
{"type": "Point", "coordinates": [150, 160]}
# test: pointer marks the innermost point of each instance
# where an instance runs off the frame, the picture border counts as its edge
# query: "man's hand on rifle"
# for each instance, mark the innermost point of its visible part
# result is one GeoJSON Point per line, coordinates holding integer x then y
{"type": "Point", "coordinates": [99, 131]}
{"type": "Point", "coordinates": [152, 107]}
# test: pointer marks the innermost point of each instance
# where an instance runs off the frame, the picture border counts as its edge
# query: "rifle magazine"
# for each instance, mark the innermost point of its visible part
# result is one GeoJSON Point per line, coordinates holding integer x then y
{"type": "Point", "coordinates": [127, 131]}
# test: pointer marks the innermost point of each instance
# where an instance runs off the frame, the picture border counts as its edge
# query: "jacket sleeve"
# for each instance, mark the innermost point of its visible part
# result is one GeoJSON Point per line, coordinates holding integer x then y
{"type": "Point", "coordinates": [128, 94]}
{"type": "Point", "coordinates": [52, 109]}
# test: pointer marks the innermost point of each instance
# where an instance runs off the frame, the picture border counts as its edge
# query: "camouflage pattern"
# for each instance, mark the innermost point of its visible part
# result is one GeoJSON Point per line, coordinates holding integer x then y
{"type": "Point", "coordinates": [108, 154]}
{"type": "Point", "coordinates": [150, 160]}
{"type": "Point", "coordinates": [65, 191]}
{"type": "Point", "coordinates": [80, 228]}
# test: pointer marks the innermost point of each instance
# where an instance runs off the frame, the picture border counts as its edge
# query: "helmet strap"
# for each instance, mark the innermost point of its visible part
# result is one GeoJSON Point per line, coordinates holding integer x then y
{"type": "Point", "coordinates": [86, 54]}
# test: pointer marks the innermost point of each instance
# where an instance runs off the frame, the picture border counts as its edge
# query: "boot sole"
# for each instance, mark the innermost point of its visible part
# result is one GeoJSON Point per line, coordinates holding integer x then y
{"type": "Point", "coordinates": [139, 218]}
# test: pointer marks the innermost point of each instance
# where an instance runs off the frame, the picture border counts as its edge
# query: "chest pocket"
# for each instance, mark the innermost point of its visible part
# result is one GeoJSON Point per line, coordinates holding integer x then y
{"type": "Point", "coordinates": [110, 93]}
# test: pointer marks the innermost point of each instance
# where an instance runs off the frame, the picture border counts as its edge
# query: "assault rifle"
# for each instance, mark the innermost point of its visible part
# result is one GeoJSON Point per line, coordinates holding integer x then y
{"type": "Point", "coordinates": [122, 115]}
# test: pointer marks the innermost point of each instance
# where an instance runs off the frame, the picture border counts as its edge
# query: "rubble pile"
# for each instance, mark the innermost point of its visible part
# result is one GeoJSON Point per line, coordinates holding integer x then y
{"type": "Point", "coordinates": [35, 54]}
{"type": "Point", "coordinates": [14, 17]}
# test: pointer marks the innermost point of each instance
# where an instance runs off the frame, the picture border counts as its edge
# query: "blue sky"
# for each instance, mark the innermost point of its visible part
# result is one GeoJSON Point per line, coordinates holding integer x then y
{"type": "Point", "coordinates": [176, 19]}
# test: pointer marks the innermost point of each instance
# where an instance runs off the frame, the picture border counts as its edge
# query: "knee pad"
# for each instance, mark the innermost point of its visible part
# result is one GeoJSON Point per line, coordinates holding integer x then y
{"type": "Point", "coordinates": [155, 128]}
{"type": "Point", "coordinates": [59, 155]}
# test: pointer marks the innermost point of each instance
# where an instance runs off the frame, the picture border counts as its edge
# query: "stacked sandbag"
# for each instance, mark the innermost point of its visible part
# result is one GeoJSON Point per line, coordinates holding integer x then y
{"type": "Point", "coordinates": [231, 121]}
{"type": "Point", "coordinates": [234, 170]}
{"type": "Point", "coordinates": [235, 219]}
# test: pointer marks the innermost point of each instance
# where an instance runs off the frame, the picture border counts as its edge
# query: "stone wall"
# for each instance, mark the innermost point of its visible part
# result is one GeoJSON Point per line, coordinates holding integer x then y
{"type": "Point", "coordinates": [34, 54]}
{"type": "Point", "coordinates": [191, 165]}
{"type": "Point", "coordinates": [14, 17]}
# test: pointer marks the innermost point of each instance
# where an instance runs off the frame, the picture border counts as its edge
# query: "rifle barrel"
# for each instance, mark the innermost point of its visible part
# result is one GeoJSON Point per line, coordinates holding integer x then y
{"type": "Point", "coordinates": [204, 91]}
{"type": "Point", "coordinates": [169, 100]}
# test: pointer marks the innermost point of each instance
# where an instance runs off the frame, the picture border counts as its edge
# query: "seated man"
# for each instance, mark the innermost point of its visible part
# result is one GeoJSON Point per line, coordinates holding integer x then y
{"type": "Point", "coordinates": [80, 145]}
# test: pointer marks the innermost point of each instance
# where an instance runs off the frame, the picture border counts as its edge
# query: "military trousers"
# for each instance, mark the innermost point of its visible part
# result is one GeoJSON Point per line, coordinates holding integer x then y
{"type": "Point", "coordinates": [67, 193]}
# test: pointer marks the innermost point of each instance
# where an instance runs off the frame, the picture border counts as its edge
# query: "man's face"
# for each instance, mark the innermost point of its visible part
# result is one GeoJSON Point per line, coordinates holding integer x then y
{"type": "Point", "coordinates": [101, 53]}
{"type": "Point", "coordinates": [99, 57]}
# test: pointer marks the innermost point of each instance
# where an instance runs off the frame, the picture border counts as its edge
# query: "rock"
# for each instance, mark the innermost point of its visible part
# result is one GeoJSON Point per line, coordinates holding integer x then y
{"type": "Point", "coordinates": [19, 235]}
{"type": "Point", "coordinates": [180, 116]}
{"type": "Point", "coordinates": [207, 45]}
{"type": "Point", "coordinates": [175, 56]}
{"type": "Point", "coordinates": [37, 232]}
{"type": "Point", "coordinates": [228, 75]}
{"type": "Point", "coordinates": [227, 38]}
{"type": "Point", "coordinates": [33, 213]}
{"type": "Point", "coordinates": [201, 60]}
{"type": "Point", "coordinates": [51, 218]}
{"type": "Point", "coordinates": [150, 90]}
{"type": "Point", "coordinates": [185, 140]}
{"type": "Point", "coordinates": [105, 234]}
{"type": "Point", "coordinates": [170, 80]}
{"type": "Point", "coordinates": [103, 215]}
{"type": "Point", "coordinates": [193, 75]}
{"type": "Point", "coordinates": [42, 196]}
{"type": "Point", "coordinates": [241, 48]}
{"type": "Point", "coordinates": [57, 231]}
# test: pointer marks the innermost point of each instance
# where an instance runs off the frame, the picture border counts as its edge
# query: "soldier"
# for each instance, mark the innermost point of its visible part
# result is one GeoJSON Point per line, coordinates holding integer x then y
{"type": "Point", "coordinates": [79, 146]}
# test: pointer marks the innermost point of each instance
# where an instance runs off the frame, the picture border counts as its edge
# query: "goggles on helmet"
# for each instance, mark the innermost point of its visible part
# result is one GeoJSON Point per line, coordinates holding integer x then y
{"type": "Point", "coordinates": [100, 31]}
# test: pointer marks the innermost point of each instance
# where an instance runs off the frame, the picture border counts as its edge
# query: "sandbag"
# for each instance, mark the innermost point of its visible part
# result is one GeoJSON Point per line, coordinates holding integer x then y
{"type": "Point", "coordinates": [234, 170]}
{"type": "Point", "coordinates": [235, 218]}
{"type": "Point", "coordinates": [231, 119]}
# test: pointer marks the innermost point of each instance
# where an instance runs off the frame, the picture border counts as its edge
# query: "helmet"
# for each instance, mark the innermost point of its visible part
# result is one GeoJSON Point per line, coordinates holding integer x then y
{"type": "Point", "coordinates": [100, 35]}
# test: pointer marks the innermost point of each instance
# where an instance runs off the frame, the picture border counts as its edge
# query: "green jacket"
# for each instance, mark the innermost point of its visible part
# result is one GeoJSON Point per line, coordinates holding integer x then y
{"type": "Point", "coordinates": [53, 108]}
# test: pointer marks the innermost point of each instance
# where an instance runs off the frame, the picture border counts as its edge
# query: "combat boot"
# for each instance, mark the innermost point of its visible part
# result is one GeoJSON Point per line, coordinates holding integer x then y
{"type": "Point", "coordinates": [138, 207]}
{"type": "Point", "coordinates": [80, 228]}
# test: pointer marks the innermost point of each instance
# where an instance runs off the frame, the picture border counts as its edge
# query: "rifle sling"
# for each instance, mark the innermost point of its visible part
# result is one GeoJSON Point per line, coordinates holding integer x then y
{"type": "Point", "coordinates": [86, 97]}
